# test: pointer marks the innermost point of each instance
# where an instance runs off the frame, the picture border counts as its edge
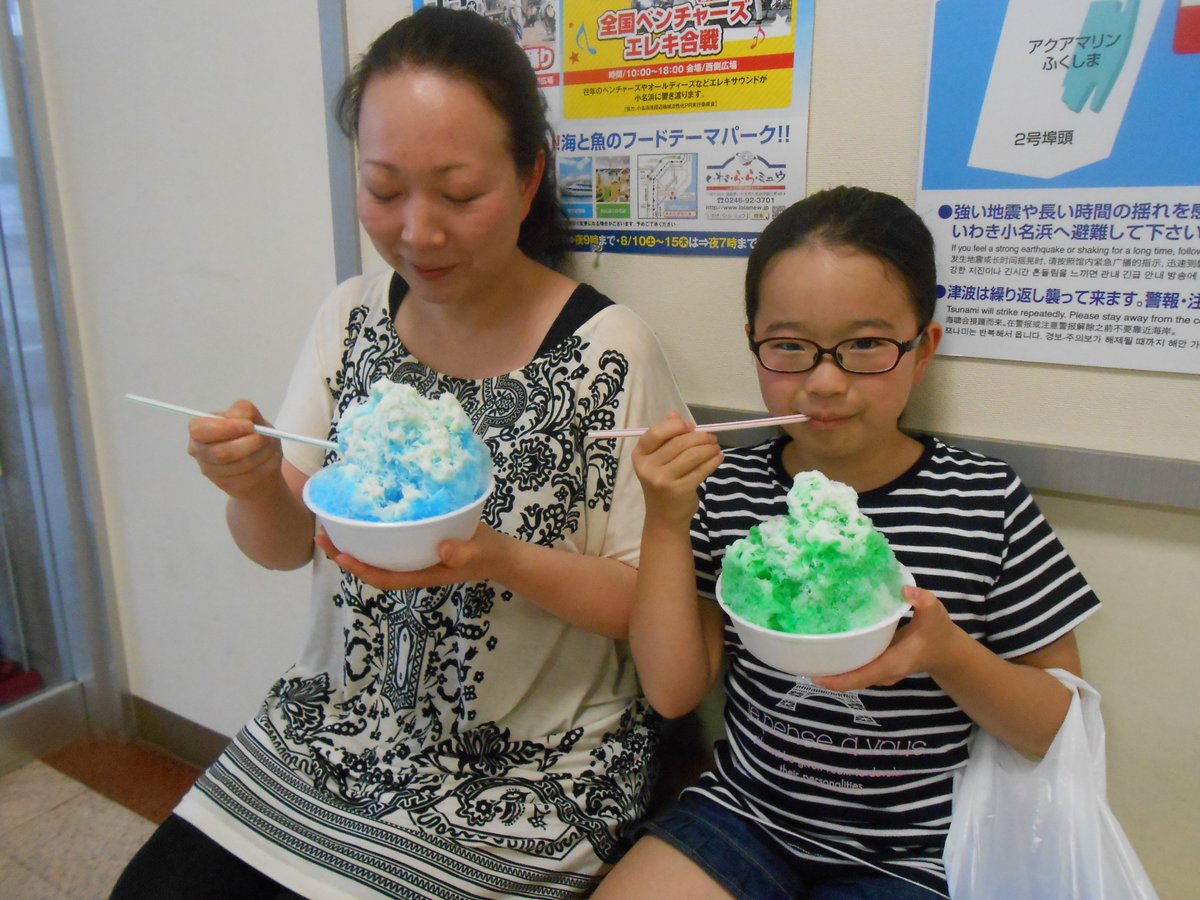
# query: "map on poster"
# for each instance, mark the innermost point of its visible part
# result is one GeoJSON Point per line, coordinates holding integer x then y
{"type": "Point", "coordinates": [1060, 176]}
{"type": "Point", "coordinates": [681, 125]}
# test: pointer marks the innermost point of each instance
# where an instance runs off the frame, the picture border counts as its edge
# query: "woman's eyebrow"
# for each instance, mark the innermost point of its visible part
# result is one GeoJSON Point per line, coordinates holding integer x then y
{"type": "Point", "coordinates": [393, 168]}
{"type": "Point", "coordinates": [378, 163]}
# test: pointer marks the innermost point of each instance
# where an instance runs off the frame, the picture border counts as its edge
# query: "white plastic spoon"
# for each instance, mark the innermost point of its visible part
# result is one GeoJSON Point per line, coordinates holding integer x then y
{"type": "Point", "coordinates": [261, 429]}
{"type": "Point", "coordinates": [711, 426]}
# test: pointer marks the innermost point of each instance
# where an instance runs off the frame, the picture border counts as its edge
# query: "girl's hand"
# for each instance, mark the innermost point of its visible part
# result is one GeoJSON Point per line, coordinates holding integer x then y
{"type": "Point", "coordinates": [923, 645]}
{"type": "Point", "coordinates": [461, 561]}
{"type": "Point", "coordinates": [231, 454]}
{"type": "Point", "coordinates": [671, 460]}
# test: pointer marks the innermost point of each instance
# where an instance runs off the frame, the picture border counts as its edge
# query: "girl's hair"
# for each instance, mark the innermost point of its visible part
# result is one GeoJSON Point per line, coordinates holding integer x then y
{"type": "Point", "coordinates": [468, 46]}
{"type": "Point", "coordinates": [858, 219]}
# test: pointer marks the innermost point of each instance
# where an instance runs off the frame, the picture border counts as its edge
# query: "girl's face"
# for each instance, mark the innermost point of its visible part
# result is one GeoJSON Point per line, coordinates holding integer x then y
{"type": "Point", "coordinates": [439, 193]}
{"type": "Point", "coordinates": [829, 294]}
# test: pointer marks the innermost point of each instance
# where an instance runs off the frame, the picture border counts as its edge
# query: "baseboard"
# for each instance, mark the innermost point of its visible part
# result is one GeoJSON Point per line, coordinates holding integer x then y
{"type": "Point", "coordinates": [36, 725]}
{"type": "Point", "coordinates": [182, 738]}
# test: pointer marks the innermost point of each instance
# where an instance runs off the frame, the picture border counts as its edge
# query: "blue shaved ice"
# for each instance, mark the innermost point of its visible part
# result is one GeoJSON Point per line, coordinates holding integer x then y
{"type": "Point", "coordinates": [403, 457]}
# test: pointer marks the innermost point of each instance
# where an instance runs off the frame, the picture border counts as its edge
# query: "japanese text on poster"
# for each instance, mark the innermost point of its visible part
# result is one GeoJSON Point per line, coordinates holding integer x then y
{"type": "Point", "coordinates": [681, 124]}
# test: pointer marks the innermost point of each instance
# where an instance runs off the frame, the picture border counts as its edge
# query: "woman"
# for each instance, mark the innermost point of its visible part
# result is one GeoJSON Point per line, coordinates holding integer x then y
{"type": "Point", "coordinates": [473, 729]}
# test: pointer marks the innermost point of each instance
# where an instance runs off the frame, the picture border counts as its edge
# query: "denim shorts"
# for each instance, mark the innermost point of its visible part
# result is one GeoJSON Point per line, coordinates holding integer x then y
{"type": "Point", "coordinates": [745, 860]}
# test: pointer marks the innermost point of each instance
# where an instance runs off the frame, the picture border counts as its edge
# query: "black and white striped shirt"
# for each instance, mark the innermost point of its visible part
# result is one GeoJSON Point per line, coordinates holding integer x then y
{"type": "Point", "coordinates": [868, 774]}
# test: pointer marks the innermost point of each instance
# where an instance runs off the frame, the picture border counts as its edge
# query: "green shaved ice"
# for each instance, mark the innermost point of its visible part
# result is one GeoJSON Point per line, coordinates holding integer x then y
{"type": "Point", "coordinates": [821, 569]}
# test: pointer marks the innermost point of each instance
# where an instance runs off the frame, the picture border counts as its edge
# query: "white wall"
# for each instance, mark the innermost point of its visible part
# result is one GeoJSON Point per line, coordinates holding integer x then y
{"type": "Point", "coordinates": [189, 153]}
{"type": "Point", "coordinates": [189, 149]}
{"type": "Point", "coordinates": [1139, 651]}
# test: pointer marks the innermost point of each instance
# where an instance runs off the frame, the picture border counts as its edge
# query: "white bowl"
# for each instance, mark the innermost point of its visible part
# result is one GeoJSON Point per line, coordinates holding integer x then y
{"type": "Point", "coordinates": [816, 654]}
{"type": "Point", "coordinates": [399, 546]}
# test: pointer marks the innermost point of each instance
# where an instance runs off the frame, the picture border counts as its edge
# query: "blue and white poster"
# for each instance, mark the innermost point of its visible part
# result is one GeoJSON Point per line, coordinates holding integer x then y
{"type": "Point", "coordinates": [1060, 175]}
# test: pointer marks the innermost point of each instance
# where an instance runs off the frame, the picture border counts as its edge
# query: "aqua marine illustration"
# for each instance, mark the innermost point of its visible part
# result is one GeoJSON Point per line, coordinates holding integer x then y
{"type": "Point", "coordinates": [1095, 68]}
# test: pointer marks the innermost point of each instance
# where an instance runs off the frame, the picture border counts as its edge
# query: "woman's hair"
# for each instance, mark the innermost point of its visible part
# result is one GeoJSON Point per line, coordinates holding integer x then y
{"type": "Point", "coordinates": [470, 47]}
{"type": "Point", "coordinates": [859, 219]}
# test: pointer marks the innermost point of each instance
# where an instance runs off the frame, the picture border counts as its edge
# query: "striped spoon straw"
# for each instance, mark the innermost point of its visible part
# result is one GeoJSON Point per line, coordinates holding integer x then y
{"type": "Point", "coordinates": [711, 426]}
{"type": "Point", "coordinates": [261, 429]}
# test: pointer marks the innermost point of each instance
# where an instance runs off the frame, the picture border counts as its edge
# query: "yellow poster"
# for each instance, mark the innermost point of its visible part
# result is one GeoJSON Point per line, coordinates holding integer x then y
{"type": "Point", "coordinates": [687, 56]}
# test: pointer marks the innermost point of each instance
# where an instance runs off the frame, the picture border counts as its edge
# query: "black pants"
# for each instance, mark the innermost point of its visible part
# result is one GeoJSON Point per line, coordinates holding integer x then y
{"type": "Point", "coordinates": [180, 862]}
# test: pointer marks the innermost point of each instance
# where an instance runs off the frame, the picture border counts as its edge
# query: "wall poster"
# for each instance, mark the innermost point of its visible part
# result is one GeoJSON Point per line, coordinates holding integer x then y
{"type": "Point", "coordinates": [1060, 175]}
{"type": "Point", "coordinates": [682, 125]}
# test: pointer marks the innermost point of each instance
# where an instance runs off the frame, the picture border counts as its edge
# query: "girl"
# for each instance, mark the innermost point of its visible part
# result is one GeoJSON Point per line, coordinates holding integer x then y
{"type": "Point", "coordinates": [474, 729]}
{"type": "Point", "coordinates": [841, 786]}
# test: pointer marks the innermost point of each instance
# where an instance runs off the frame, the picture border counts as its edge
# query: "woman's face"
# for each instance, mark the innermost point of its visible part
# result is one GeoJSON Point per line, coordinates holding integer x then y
{"type": "Point", "coordinates": [439, 193]}
{"type": "Point", "coordinates": [830, 294]}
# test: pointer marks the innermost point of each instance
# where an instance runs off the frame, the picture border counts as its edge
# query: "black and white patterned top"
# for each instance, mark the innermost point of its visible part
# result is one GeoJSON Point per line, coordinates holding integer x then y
{"type": "Point", "coordinates": [458, 741]}
{"type": "Point", "coordinates": [867, 775]}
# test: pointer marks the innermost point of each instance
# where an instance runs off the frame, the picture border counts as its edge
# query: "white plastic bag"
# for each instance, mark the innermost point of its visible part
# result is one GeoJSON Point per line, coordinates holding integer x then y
{"type": "Point", "coordinates": [1038, 829]}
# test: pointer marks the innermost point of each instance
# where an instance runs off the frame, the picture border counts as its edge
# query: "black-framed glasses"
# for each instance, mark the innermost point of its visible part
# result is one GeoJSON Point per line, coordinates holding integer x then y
{"type": "Point", "coordinates": [858, 356]}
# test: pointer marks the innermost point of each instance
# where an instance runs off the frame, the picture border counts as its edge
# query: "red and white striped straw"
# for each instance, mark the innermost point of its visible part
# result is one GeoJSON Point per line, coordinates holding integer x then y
{"type": "Point", "coordinates": [711, 426]}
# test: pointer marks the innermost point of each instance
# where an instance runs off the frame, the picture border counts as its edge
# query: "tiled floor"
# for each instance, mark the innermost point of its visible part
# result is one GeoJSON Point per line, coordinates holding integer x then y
{"type": "Point", "coordinates": [68, 839]}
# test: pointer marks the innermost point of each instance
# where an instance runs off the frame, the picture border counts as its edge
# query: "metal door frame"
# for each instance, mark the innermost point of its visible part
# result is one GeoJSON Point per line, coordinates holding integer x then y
{"type": "Point", "coordinates": [61, 464]}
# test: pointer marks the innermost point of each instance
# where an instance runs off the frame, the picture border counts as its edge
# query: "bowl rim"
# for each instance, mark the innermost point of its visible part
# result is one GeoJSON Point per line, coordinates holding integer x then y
{"type": "Point", "coordinates": [365, 523]}
{"type": "Point", "coordinates": [890, 619]}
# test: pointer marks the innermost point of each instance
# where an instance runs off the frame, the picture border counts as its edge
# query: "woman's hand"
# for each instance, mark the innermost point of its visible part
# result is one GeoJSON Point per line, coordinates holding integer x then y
{"type": "Point", "coordinates": [266, 517]}
{"type": "Point", "coordinates": [586, 591]}
{"type": "Point", "coordinates": [671, 460]}
{"type": "Point", "coordinates": [231, 454]}
{"type": "Point", "coordinates": [922, 645]}
{"type": "Point", "coordinates": [461, 561]}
